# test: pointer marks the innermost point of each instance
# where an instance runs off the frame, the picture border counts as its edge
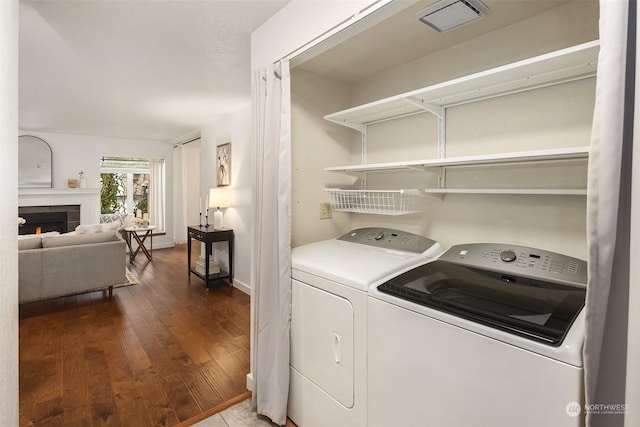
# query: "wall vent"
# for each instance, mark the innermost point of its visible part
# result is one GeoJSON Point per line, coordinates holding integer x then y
{"type": "Point", "coordinates": [446, 15]}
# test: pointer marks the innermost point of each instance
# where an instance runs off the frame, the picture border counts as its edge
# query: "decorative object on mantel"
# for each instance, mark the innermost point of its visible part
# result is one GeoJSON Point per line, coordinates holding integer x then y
{"type": "Point", "coordinates": [72, 183]}
{"type": "Point", "coordinates": [82, 181]}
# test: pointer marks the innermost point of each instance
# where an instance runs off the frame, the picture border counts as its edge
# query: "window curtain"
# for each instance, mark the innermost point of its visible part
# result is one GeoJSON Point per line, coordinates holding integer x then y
{"type": "Point", "coordinates": [156, 193]}
{"type": "Point", "coordinates": [609, 196]}
{"type": "Point", "coordinates": [179, 194]}
{"type": "Point", "coordinates": [271, 257]}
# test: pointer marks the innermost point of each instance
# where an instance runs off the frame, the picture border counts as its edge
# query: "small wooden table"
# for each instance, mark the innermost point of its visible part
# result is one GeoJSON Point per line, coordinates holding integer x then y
{"type": "Point", "coordinates": [140, 239]}
{"type": "Point", "coordinates": [208, 235]}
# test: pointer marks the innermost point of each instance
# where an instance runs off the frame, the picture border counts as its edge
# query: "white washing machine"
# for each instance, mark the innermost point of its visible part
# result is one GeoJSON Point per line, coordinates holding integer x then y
{"type": "Point", "coordinates": [330, 280]}
{"type": "Point", "coordinates": [486, 335]}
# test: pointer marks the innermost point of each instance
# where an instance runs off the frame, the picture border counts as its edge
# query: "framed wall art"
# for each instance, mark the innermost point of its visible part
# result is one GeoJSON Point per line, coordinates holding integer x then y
{"type": "Point", "coordinates": [223, 165]}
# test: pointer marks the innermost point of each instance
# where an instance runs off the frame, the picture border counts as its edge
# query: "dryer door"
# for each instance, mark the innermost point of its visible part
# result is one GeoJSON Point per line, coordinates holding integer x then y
{"type": "Point", "coordinates": [322, 340]}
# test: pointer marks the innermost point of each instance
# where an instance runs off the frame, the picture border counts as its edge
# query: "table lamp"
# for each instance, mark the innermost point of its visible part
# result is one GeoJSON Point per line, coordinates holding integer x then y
{"type": "Point", "coordinates": [219, 198]}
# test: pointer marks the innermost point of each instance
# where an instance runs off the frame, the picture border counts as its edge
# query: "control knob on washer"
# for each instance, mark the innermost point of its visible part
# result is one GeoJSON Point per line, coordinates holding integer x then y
{"type": "Point", "coordinates": [508, 256]}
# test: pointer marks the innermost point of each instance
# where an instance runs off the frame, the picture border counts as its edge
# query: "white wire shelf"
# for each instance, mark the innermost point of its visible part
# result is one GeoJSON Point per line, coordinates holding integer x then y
{"type": "Point", "coordinates": [521, 191]}
{"type": "Point", "coordinates": [556, 154]}
{"type": "Point", "coordinates": [379, 202]}
{"type": "Point", "coordinates": [565, 65]}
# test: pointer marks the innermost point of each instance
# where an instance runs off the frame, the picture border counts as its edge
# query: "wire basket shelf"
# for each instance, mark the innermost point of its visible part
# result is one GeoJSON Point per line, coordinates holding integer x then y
{"type": "Point", "coordinates": [379, 202]}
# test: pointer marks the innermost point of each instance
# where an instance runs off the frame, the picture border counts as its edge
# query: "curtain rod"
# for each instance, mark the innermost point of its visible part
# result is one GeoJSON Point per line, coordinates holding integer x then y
{"type": "Point", "coordinates": [356, 17]}
{"type": "Point", "coordinates": [124, 159]}
{"type": "Point", "coordinates": [186, 142]}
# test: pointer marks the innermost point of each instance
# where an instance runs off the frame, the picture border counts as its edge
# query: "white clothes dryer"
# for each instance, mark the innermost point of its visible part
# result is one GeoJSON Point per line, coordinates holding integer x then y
{"type": "Point", "coordinates": [486, 335]}
{"type": "Point", "coordinates": [330, 280]}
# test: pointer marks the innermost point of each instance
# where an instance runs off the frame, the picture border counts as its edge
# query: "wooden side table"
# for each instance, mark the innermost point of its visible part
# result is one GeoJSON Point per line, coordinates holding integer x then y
{"type": "Point", "coordinates": [208, 236]}
{"type": "Point", "coordinates": [140, 239]}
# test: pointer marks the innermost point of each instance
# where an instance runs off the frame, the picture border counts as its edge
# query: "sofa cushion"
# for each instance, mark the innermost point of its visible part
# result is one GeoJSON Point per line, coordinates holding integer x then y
{"type": "Point", "coordinates": [109, 227]}
{"type": "Point", "coordinates": [77, 239]}
{"type": "Point", "coordinates": [29, 242]}
{"type": "Point", "coordinates": [47, 233]}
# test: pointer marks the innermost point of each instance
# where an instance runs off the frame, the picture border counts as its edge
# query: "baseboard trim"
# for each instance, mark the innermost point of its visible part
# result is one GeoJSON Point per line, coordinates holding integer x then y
{"type": "Point", "coordinates": [219, 408]}
{"type": "Point", "coordinates": [157, 245]}
{"type": "Point", "coordinates": [163, 245]}
{"type": "Point", "coordinates": [242, 286]}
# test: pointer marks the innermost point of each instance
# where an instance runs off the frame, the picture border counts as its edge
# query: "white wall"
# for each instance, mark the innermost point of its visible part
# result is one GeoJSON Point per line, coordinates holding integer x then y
{"type": "Point", "coordinates": [237, 129]}
{"type": "Point", "coordinates": [558, 117]}
{"type": "Point", "coordinates": [9, 212]}
{"type": "Point", "coordinates": [316, 144]}
{"type": "Point", "coordinates": [73, 153]}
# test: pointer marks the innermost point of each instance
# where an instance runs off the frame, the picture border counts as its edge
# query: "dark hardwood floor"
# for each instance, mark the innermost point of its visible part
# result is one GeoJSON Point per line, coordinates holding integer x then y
{"type": "Point", "coordinates": [157, 353]}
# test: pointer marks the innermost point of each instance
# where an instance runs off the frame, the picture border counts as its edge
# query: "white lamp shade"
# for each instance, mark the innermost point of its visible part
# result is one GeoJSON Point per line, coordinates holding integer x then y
{"type": "Point", "coordinates": [219, 198]}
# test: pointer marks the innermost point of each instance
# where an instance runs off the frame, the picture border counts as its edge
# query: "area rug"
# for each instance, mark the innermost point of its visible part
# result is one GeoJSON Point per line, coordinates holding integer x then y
{"type": "Point", "coordinates": [131, 280]}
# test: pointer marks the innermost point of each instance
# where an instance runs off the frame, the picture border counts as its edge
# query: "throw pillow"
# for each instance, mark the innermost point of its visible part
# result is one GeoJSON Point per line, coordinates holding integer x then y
{"type": "Point", "coordinates": [110, 226]}
{"type": "Point", "coordinates": [118, 218]}
{"type": "Point", "coordinates": [89, 229]}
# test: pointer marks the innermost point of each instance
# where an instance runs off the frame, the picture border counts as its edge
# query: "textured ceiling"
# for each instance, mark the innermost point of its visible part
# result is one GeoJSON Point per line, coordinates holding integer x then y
{"type": "Point", "coordinates": [135, 69]}
{"type": "Point", "coordinates": [157, 69]}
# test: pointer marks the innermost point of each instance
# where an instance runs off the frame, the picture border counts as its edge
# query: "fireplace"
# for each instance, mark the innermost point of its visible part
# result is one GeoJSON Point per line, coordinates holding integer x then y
{"type": "Point", "coordinates": [42, 219]}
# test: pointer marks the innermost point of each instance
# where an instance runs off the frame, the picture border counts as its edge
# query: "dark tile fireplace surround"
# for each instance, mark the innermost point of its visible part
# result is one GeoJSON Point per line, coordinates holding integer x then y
{"type": "Point", "coordinates": [61, 218]}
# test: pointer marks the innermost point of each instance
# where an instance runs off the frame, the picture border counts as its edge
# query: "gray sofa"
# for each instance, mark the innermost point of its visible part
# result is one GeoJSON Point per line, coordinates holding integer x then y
{"type": "Point", "coordinates": [52, 266]}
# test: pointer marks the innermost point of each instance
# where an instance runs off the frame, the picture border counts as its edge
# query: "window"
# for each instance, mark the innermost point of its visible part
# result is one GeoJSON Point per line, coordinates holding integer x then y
{"type": "Point", "coordinates": [133, 186]}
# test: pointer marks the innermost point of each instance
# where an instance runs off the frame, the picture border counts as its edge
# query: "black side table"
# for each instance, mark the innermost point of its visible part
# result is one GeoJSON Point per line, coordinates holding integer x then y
{"type": "Point", "coordinates": [209, 235]}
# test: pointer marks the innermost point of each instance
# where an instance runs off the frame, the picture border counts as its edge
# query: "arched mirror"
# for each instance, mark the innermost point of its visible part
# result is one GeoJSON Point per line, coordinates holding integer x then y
{"type": "Point", "coordinates": [34, 162]}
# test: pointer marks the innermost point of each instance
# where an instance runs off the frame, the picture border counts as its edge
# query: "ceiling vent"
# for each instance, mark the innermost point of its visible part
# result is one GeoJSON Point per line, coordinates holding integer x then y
{"type": "Point", "coordinates": [446, 15]}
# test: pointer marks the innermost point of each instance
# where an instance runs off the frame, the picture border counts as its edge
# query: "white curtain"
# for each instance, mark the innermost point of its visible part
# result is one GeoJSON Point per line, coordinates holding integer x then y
{"type": "Point", "coordinates": [179, 194]}
{"type": "Point", "coordinates": [156, 193]}
{"type": "Point", "coordinates": [608, 222]}
{"type": "Point", "coordinates": [271, 257]}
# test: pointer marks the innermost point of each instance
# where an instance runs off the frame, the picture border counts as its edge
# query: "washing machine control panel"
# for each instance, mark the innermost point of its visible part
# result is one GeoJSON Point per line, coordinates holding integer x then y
{"type": "Point", "coordinates": [388, 238]}
{"type": "Point", "coordinates": [520, 260]}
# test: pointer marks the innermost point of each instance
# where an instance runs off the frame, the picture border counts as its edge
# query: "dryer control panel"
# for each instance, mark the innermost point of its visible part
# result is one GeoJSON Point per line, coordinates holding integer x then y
{"type": "Point", "coordinates": [519, 260]}
{"type": "Point", "coordinates": [388, 238]}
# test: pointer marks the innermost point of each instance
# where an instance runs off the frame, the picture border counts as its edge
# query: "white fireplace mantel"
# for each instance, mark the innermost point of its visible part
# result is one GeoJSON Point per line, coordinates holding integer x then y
{"type": "Point", "coordinates": [87, 198]}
